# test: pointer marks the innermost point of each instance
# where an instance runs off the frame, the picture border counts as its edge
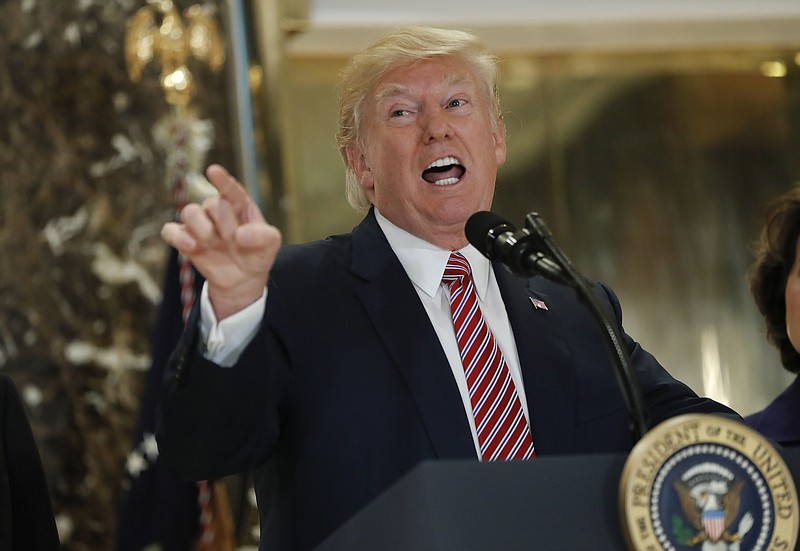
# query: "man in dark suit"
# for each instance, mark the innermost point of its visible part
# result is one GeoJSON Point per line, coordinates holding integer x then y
{"type": "Point", "coordinates": [333, 368]}
{"type": "Point", "coordinates": [26, 514]}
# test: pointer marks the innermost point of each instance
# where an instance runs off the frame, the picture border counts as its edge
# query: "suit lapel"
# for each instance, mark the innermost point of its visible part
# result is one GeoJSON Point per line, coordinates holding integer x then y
{"type": "Point", "coordinates": [385, 293]}
{"type": "Point", "coordinates": [544, 357]}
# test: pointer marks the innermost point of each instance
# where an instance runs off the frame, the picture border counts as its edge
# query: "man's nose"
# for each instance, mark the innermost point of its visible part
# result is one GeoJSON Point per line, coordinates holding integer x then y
{"type": "Point", "coordinates": [436, 126]}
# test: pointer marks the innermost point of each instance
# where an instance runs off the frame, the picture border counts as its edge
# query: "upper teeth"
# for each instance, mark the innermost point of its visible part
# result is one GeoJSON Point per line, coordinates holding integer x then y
{"type": "Point", "coordinates": [442, 162]}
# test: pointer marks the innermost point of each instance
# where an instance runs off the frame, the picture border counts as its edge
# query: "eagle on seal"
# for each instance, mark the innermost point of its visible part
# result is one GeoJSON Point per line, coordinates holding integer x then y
{"type": "Point", "coordinates": [711, 507]}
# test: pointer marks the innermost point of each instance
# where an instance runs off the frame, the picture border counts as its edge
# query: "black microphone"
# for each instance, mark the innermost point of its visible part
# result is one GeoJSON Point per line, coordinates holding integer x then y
{"type": "Point", "coordinates": [497, 239]}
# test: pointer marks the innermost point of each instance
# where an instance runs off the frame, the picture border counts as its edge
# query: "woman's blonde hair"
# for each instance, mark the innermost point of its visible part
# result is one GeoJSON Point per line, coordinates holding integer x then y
{"type": "Point", "coordinates": [403, 46]}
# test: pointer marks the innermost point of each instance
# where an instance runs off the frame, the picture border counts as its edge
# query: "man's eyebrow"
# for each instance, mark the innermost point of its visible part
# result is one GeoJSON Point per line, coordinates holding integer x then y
{"type": "Point", "coordinates": [392, 90]}
{"type": "Point", "coordinates": [457, 78]}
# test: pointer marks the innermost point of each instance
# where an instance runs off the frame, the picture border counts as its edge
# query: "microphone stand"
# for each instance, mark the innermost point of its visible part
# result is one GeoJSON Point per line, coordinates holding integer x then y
{"type": "Point", "coordinates": [631, 390]}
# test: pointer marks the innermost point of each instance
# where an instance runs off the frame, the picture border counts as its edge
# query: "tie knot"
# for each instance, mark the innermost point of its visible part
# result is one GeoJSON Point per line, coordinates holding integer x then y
{"type": "Point", "coordinates": [457, 268]}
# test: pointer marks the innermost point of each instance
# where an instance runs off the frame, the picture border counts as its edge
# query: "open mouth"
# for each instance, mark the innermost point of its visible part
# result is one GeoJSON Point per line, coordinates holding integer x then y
{"type": "Point", "coordinates": [444, 172]}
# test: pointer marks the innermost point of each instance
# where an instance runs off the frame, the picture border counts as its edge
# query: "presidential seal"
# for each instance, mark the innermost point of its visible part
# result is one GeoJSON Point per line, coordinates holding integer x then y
{"type": "Point", "coordinates": [704, 482]}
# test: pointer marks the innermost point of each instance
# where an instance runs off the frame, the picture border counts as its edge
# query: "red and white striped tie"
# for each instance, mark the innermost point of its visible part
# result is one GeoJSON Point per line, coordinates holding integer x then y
{"type": "Point", "coordinates": [503, 431]}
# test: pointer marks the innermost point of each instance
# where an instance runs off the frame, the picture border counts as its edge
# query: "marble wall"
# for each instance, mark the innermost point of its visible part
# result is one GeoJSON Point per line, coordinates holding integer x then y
{"type": "Point", "coordinates": [83, 194]}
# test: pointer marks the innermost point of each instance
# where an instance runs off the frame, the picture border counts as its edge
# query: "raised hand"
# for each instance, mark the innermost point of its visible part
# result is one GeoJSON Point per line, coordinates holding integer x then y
{"type": "Point", "coordinates": [228, 241]}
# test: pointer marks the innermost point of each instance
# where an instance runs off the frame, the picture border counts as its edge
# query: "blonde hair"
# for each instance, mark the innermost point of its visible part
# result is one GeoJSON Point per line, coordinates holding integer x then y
{"type": "Point", "coordinates": [403, 46]}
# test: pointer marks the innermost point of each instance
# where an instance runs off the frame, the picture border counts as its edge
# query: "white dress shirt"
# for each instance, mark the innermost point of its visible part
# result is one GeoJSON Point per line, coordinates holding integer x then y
{"type": "Point", "coordinates": [424, 264]}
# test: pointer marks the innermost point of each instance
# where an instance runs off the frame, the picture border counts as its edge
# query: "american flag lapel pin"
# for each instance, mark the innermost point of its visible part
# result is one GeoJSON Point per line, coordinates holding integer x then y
{"type": "Point", "coordinates": [538, 304]}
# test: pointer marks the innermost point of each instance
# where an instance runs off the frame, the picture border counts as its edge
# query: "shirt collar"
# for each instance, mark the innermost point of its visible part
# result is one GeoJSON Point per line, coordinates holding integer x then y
{"type": "Point", "coordinates": [425, 263]}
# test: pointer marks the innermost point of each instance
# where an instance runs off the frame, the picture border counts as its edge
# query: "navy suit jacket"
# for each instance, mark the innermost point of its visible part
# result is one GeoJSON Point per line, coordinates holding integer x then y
{"type": "Point", "coordinates": [346, 388]}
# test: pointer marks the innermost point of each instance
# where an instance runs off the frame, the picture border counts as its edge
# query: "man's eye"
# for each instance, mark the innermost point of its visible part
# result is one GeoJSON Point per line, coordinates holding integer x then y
{"type": "Point", "coordinates": [399, 113]}
{"type": "Point", "coordinates": [456, 103]}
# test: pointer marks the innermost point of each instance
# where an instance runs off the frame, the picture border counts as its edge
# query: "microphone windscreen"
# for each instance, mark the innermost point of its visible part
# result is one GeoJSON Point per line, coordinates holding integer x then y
{"type": "Point", "coordinates": [480, 224]}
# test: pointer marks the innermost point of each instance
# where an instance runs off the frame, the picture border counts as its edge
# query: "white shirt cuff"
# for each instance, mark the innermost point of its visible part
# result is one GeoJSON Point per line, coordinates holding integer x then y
{"type": "Point", "coordinates": [226, 340]}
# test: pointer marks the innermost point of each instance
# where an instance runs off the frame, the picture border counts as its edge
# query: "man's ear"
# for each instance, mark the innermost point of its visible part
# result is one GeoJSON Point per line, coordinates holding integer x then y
{"type": "Point", "coordinates": [499, 136]}
{"type": "Point", "coordinates": [357, 162]}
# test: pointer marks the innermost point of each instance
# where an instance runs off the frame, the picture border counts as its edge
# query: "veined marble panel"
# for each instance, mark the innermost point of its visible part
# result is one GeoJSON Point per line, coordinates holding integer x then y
{"type": "Point", "coordinates": [83, 194]}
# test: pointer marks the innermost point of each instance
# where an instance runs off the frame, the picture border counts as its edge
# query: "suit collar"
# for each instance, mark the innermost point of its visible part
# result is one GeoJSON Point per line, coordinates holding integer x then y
{"type": "Point", "coordinates": [411, 341]}
{"type": "Point", "coordinates": [544, 360]}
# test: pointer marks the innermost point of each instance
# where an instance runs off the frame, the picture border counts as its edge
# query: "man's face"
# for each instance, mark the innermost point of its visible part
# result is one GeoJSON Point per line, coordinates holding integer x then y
{"type": "Point", "coordinates": [792, 296]}
{"type": "Point", "coordinates": [431, 150]}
